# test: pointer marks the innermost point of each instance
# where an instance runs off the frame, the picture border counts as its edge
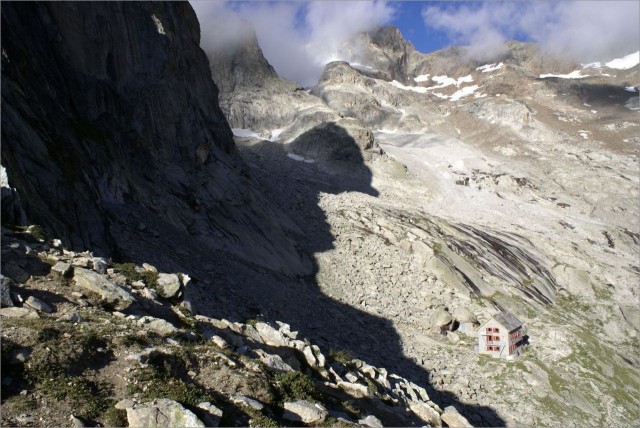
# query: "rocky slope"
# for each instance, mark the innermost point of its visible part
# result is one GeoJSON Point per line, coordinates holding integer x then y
{"type": "Point", "coordinates": [86, 342]}
{"type": "Point", "coordinates": [507, 185]}
{"type": "Point", "coordinates": [111, 123]}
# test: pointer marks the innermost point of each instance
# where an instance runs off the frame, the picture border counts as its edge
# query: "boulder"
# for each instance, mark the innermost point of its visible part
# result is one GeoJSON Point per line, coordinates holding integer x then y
{"type": "Point", "coordinates": [425, 412]}
{"type": "Point", "coordinates": [304, 411]}
{"type": "Point", "coordinates": [246, 401]}
{"type": "Point", "coordinates": [38, 304]}
{"type": "Point", "coordinates": [274, 362]}
{"type": "Point", "coordinates": [453, 418]}
{"type": "Point", "coordinates": [158, 325]}
{"type": "Point", "coordinates": [163, 413]}
{"type": "Point", "coordinates": [107, 290]}
{"type": "Point", "coordinates": [100, 265]}
{"type": "Point", "coordinates": [441, 321]}
{"type": "Point", "coordinates": [355, 390]}
{"type": "Point", "coordinates": [308, 355]}
{"type": "Point", "coordinates": [63, 269]}
{"type": "Point", "coordinates": [5, 292]}
{"type": "Point", "coordinates": [270, 336]}
{"type": "Point", "coordinates": [371, 421]}
{"type": "Point", "coordinates": [211, 415]}
{"type": "Point", "coordinates": [168, 285]}
{"type": "Point", "coordinates": [149, 268]}
{"type": "Point", "coordinates": [464, 315]}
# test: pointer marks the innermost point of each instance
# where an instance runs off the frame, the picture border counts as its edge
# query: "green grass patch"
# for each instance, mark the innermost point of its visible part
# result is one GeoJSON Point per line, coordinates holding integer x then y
{"type": "Point", "coordinates": [340, 355]}
{"type": "Point", "coordinates": [129, 270]}
{"type": "Point", "coordinates": [294, 386]}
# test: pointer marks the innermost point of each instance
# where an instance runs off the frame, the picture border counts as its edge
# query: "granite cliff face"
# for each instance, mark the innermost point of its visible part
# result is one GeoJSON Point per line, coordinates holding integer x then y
{"type": "Point", "coordinates": [111, 123]}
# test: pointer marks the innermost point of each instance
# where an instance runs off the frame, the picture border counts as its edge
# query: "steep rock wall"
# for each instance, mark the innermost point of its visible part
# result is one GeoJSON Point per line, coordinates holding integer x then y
{"type": "Point", "coordinates": [109, 109]}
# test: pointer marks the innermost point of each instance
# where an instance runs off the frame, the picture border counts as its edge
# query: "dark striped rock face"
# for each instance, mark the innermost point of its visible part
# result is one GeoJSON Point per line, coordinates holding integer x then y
{"type": "Point", "coordinates": [111, 125]}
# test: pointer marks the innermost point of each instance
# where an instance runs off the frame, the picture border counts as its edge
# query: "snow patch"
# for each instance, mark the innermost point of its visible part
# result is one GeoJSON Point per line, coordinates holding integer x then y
{"type": "Point", "coordinates": [275, 134]}
{"type": "Point", "coordinates": [626, 62]}
{"type": "Point", "coordinates": [594, 111]}
{"type": "Point", "coordinates": [418, 89]}
{"type": "Point", "coordinates": [158, 24]}
{"type": "Point", "coordinates": [596, 64]}
{"type": "Point", "coordinates": [421, 78]}
{"type": "Point", "coordinates": [487, 68]}
{"type": "Point", "coordinates": [444, 81]}
{"type": "Point", "coordinates": [573, 75]}
{"type": "Point", "coordinates": [299, 158]}
{"type": "Point", "coordinates": [245, 133]}
{"type": "Point", "coordinates": [584, 134]}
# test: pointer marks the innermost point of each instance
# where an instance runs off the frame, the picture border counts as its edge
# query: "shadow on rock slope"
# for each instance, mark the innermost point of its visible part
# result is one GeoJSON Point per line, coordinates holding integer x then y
{"type": "Point", "coordinates": [296, 186]}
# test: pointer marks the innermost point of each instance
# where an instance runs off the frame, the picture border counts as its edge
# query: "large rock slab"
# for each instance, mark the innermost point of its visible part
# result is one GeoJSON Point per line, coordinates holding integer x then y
{"type": "Point", "coordinates": [162, 413]}
{"type": "Point", "coordinates": [270, 336]}
{"type": "Point", "coordinates": [107, 290]}
{"type": "Point", "coordinates": [453, 418]}
{"type": "Point", "coordinates": [304, 411]}
{"type": "Point", "coordinates": [168, 285]}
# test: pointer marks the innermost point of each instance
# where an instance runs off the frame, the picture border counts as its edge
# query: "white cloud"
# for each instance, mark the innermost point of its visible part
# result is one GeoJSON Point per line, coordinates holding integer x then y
{"type": "Point", "coordinates": [583, 30]}
{"type": "Point", "coordinates": [298, 39]}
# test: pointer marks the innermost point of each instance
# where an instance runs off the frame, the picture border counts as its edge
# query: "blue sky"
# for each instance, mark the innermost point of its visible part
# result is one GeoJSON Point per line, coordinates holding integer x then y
{"type": "Point", "coordinates": [409, 21]}
{"type": "Point", "coordinates": [299, 38]}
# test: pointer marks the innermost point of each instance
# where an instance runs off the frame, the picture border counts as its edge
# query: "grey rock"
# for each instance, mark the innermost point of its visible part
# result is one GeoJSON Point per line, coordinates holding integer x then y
{"type": "Point", "coordinates": [308, 355]}
{"type": "Point", "coordinates": [270, 336]}
{"type": "Point", "coordinates": [425, 412]}
{"type": "Point", "coordinates": [246, 401]}
{"type": "Point", "coordinates": [355, 389]}
{"type": "Point", "coordinates": [124, 404]}
{"type": "Point", "coordinates": [38, 304]}
{"type": "Point", "coordinates": [149, 268]}
{"type": "Point", "coordinates": [5, 292]}
{"type": "Point", "coordinates": [148, 293]}
{"type": "Point", "coordinates": [464, 315]}
{"type": "Point", "coordinates": [157, 325]}
{"type": "Point", "coordinates": [99, 265]}
{"type": "Point", "coordinates": [212, 415]}
{"type": "Point", "coordinates": [18, 313]}
{"type": "Point", "coordinates": [304, 411]}
{"type": "Point", "coordinates": [453, 418]}
{"type": "Point", "coordinates": [63, 269]}
{"type": "Point", "coordinates": [163, 413]}
{"type": "Point", "coordinates": [441, 321]}
{"type": "Point", "coordinates": [107, 290]}
{"type": "Point", "coordinates": [220, 342]}
{"type": "Point", "coordinates": [371, 421]}
{"type": "Point", "coordinates": [273, 361]}
{"type": "Point", "coordinates": [168, 285]}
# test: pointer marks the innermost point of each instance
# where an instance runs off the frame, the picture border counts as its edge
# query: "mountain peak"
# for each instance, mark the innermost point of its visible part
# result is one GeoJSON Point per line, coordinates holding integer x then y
{"type": "Point", "coordinates": [390, 36]}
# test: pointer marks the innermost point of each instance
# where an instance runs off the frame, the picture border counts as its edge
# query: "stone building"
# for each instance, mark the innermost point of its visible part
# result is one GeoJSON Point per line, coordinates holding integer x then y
{"type": "Point", "coordinates": [501, 336]}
